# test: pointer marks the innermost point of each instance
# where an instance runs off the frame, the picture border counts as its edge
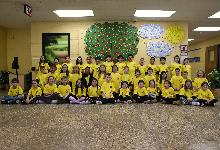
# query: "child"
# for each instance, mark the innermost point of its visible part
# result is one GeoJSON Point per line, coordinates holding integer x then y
{"type": "Point", "coordinates": [94, 92]}
{"type": "Point", "coordinates": [50, 91]}
{"type": "Point", "coordinates": [87, 77]}
{"type": "Point", "coordinates": [152, 91]}
{"type": "Point", "coordinates": [42, 77]}
{"type": "Point", "coordinates": [136, 79]}
{"type": "Point", "coordinates": [120, 65]}
{"type": "Point", "coordinates": [88, 64]}
{"type": "Point", "coordinates": [79, 93]}
{"type": "Point", "coordinates": [177, 81]}
{"type": "Point", "coordinates": [68, 63]}
{"type": "Point", "coordinates": [42, 63]}
{"type": "Point", "coordinates": [64, 91]}
{"type": "Point", "coordinates": [142, 68]}
{"type": "Point", "coordinates": [132, 65]}
{"type": "Point", "coordinates": [64, 72]}
{"type": "Point", "coordinates": [79, 63]}
{"type": "Point", "coordinates": [101, 75]}
{"type": "Point", "coordinates": [140, 93]}
{"type": "Point", "coordinates": [116, 80]}
{"type": "Point", "coordinates": [199, 80]}
{"type": "Point", "coordinates": [75, 76]}
{"type": "Point", "coordinates": [160, 83]}
{"type": "Point", "coordinates": [187, 67]}
{"type": "Point", "coordinates": [53, 73]}
{"type": "Point", "coordinates": [126, 77]}
{"type": "Point", "coordinates": [108, 64]}
{"type": "Point", "coordinates": [168, 94]}
{"type": "Point", "coordinates": [107, 90]}
{"type": "Point", "coordinates": [124, 95]}
{"type": "Point", "coordinates": [205, 96]}
{"type": "Point", "coordinates": [162, 66]}
{"type": "Point", "coordinates": [149, 77]}
{"type": "Point", "coordinates": [187, 95]}
{"type": "Point", "coordinates": [185, 75]}
{"type": "Point", "coordinates": [58, 66]}
{"type": "Point", "coordinates": [153, 66]}
{"type": "Point", "coordinates": [175, 65]}
{"type": "Point", "coordinates": [34, 93]}
{"type": "Point", "coordinates": [96, 67]}
{"type": "Point", "coordinates": [15, 94]}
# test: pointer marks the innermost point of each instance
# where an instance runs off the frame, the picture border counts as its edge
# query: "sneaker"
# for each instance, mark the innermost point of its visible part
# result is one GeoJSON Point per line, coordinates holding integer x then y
{"type": "Point", "coordinates": [160, 100]}
{"type": "Point", "coordinates": [83, 102]}
{"type": "Point", "coordinates": [99, 102]}
{"type": "Point", "coordinates": [147, 102]}
{"type": "Point", "coordinates": [195, 103]}
{"type": "Point", "coordinates": [18, 102]}
{"type": "Point", "coordinates": [164, 102]}
{"type": "Point", "coordinates": [129, 102]}
{"type": "Point", "coordinates": [154, 101]}
{"type": "Point", "coordinates": [176, 102]}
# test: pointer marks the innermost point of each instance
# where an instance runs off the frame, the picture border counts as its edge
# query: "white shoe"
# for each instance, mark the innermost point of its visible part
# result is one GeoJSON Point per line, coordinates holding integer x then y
{"type": "Point", "coordinates": [18, 102]}
{"type": "Point", "coordinates": [41, 102]}
{"type": "Point", "coordinates": [54, 102]}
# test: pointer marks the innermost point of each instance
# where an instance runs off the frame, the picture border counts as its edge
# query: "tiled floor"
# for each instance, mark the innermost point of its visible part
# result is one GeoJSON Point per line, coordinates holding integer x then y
{"type": "Point", "coordinates": [119, 126]}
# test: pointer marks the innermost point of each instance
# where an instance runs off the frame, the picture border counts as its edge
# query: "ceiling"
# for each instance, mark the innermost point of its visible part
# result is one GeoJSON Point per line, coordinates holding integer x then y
{"type": "Point", "coordinates": [195, 12]}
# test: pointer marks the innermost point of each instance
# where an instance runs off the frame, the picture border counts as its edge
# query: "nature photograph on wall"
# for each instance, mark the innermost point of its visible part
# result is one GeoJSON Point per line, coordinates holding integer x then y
{"type": "Point", "coordinates": [55, 45]}
{"type": "Point", "coordinates": [111, 39]}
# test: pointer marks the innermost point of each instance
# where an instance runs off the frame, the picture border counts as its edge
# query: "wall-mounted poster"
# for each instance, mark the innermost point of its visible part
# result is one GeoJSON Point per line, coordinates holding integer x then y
{"type": "Point", "coordinates": [183, 49]}
{"type": "Point", "coordinates": [55, 45]}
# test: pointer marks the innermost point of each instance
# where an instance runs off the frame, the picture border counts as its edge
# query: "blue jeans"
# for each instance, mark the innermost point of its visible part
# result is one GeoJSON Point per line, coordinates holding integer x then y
{"type": "Point", "coordinates": [12, 99]}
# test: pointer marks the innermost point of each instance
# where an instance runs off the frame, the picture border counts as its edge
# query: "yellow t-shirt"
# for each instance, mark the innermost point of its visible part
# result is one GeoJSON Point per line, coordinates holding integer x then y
{"type": "Point", "coordinates": [132, 66]}
{"type": "Point", "coordinates": [101, 79]}
{"type": "Point", "coordinates": [140, 91]}
{"type": "Point", "coordinates": [47, 67]}
{"type": "Point", "coordinates": [161, 85]}
{"type": "Point", "coordinates": [188, 69]}
{"type": "Point", "coordinates": [80, 68]}
{"type": "Point", "coordinates": [15, 92]}
{"type": "Point", "coordinates": [188, 93]}
{"type": "Point", "coordinates": [161, 68]}
{"type": "Point", "coordinates": [174, 66]}
{"type": "Point", "coordinates": [126, 77]}
{"type": "Point", "coordinates": [116, 79]}
{"type": "Point", "coordinates": [147, 80]}
{"type": "Point", "coordinates": [59, 68]}
{"type": "Point", "coordinates": [205, 94]}
{"type": "Point", "coordinates": [108, 88]}
{"type": "Point", "coordinates": [64, 90]}
{"type": "Point", "coordinates": [94, 91]}
{"type": "Point", "coordinates": [142, 69]}
{"type": "Point", "coordinates": [152, 90]}
{"type": "Point", "coordinates": [154, 67]}
{"type": "Point", "coordinates": [55, 75]}
{"type": "Point", "coordinates": [70, 67]}
{"type": "Point", "coordinates": [35, 91]}
{"type": "Point", "coordinates": [198, 82]}
{"type": "Point", "coordinates": [135, 81]}
{"type": "Point", "coordinates": [177, 81]}
{"type": "Point", "coordinates": [96, 70]}
{"type": "Point", "coordinates": [88, 65]}
{"type": "Point", "coordinates": [108, 66]}
{"type": "Point", "coordinates": [73, 78]}
{"type": "Point", "coordinates": [48, 88]}
{"type": "Point", "coordinates": [61, 75]}
{"type": "Point", "coordinates": [120, 67]}
{"type": "Point", "coordinates": [42, 78]}
{"type": "Point", "coordinates": [124, 92]}
{"type": "Point", "coordinates": [169, 93]}
{"type": "Point", "coordinates": [80, 93]}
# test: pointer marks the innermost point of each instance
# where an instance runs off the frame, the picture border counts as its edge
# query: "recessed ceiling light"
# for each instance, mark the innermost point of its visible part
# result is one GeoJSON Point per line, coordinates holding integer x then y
{"type": "Point", "coordinates": [190, 39]}
{"type": "Point", "coordinates": [207, 29]}
{"type": "Point", "coordinates": [216, 15]}
{"type": "Point", "coordinates": [74, 13]}
{"type": "Point", "coordinates": [153, 13]}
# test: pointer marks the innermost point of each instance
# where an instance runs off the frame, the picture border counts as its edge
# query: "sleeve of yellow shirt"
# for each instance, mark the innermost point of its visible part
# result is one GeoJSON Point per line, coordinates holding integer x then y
{"type": "Point", "coordinates": [200, 94]}
{"type": "Point", "coordinates": [10, 91]}
{"type": "Point", "coordinates": [84, 91]}
{"type": "Point", "coordinates": [211, 96]}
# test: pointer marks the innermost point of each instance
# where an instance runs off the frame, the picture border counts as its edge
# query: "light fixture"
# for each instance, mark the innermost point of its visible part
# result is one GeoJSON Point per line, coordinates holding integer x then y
{"type": "Point", "coordinates": [74, 13]}
{"type": "Point", "coordinates": [153, 13]}
{"type": "Point", "coordinates": [216, 15]}
{"type": "Point", "coordinates": [190, 39]}
{"type": "Point", "coordinates": [207, 29]}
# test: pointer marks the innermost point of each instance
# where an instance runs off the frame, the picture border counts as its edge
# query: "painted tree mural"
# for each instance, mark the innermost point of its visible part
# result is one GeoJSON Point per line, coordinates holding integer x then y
{"type": "Point", "coordinates": [111, 39]}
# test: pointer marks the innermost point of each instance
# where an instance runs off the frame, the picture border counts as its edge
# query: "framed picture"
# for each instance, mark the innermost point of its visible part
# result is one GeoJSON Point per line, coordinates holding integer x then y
{"type": "Point", "coordinates": [55, 45]}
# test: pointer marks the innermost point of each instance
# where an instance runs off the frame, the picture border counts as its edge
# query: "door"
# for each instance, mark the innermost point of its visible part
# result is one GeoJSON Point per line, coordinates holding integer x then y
{"type": "Point", "coordinates": [211, 59]}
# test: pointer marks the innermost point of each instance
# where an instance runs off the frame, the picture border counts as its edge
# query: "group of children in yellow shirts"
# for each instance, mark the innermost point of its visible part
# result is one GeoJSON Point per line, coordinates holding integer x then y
{"type": "Point", "coordinates": [109, 83]}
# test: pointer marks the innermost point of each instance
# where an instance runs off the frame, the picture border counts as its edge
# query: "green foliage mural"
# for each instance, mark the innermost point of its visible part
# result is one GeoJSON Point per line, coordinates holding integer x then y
{"type": "Point", "coordinates": [111, 39]}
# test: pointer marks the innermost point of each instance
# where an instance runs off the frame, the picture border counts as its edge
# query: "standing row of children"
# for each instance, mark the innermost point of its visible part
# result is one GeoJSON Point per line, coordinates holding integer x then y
{"type": "Point", "coordinates": [119, 82]}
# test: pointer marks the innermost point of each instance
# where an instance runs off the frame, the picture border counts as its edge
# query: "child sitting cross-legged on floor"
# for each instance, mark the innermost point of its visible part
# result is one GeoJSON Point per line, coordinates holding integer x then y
{"type": "Point", "coordinates": [152, 91]}
{"type": "Point", "coordinates": [140, 93]}
{"type": "Point", "coordinates": [124, 95]}
{"type": "Point", "coordinates": [34, 93]}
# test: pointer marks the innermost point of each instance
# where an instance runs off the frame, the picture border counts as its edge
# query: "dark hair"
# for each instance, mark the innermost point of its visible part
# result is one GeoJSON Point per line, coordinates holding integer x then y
{"type": "Point", "coordinates": [89, 57]}
{"type": "Point", "coordinates": [41, 67]}
{"type": "Point", "coordinates": [97, 58]}
{"type": "Point", "coordinates": [184, 60]}
{"type": "Point", "coordinates": [185, 71]}
{"type": "Point", "coordinates": [53, 65]}
{"type": "Point", "coordinates": [203, 73]}
{"type": "Point", "coordinates": [168, 82]}
{"type": "Point", "coordinates": [114, 66]}
{"type": "Point", "coordinates": [177, 69]}
{"type": "Point", "coordinates": [15, 80]}
{"type": "Point", "coordinates": [124, 82]}
{"type": "Point", "coordinates": [120, 56]}
{"type": "Point", "coordinates": [162, 58]}
{"type": "Point", "coordinates": [100, 71]}
{"type": "Point", "coordinates": [77, 60]}
{"type": "Point", "coordinates": [88, 67]}
{"type": "Point", "coordinates": [67, 72]}
{"type": "Point", "coordinates": [41, 60]}
{"type": "Point", "coordinates": [96, 84]}
{"type": "Point", "coordinates": [108, 56]}
{"type": "Point", "coordinates": [152, 58]}
{"type": "Point", "coordinates": [149, 69]}
{"type": "Point", "coordinates": [185, 87]}
{"type": "Point", "coordinates": [153, 81]}
{"type": "Point", "coordinates": [161, 74]}
{"type": "Point", "coordinates": [130, 55]}
{"type": "Point", "coordinates": [57, 59]}
{"type": "Point", "coordinates": [204, 83]}
{"type": "Point", "coordinates": [108, 74]}
{"type": "Point", "coordinates": [140, 81]}
{"type": "Point", "coordinates": [178, 57]}
{"type": "Point", "coordinates": [67, 56]}
{"type": "Point", "coordinates": [64, 77]}
{"type": "Point", "coordinates": [137, 70]}
{"type": "Point", "coordinates": [49, 77]}
{"type": "Point", "coordinates": [82, 86]}
{"type": "Point", "coordinates": [35, 81]}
